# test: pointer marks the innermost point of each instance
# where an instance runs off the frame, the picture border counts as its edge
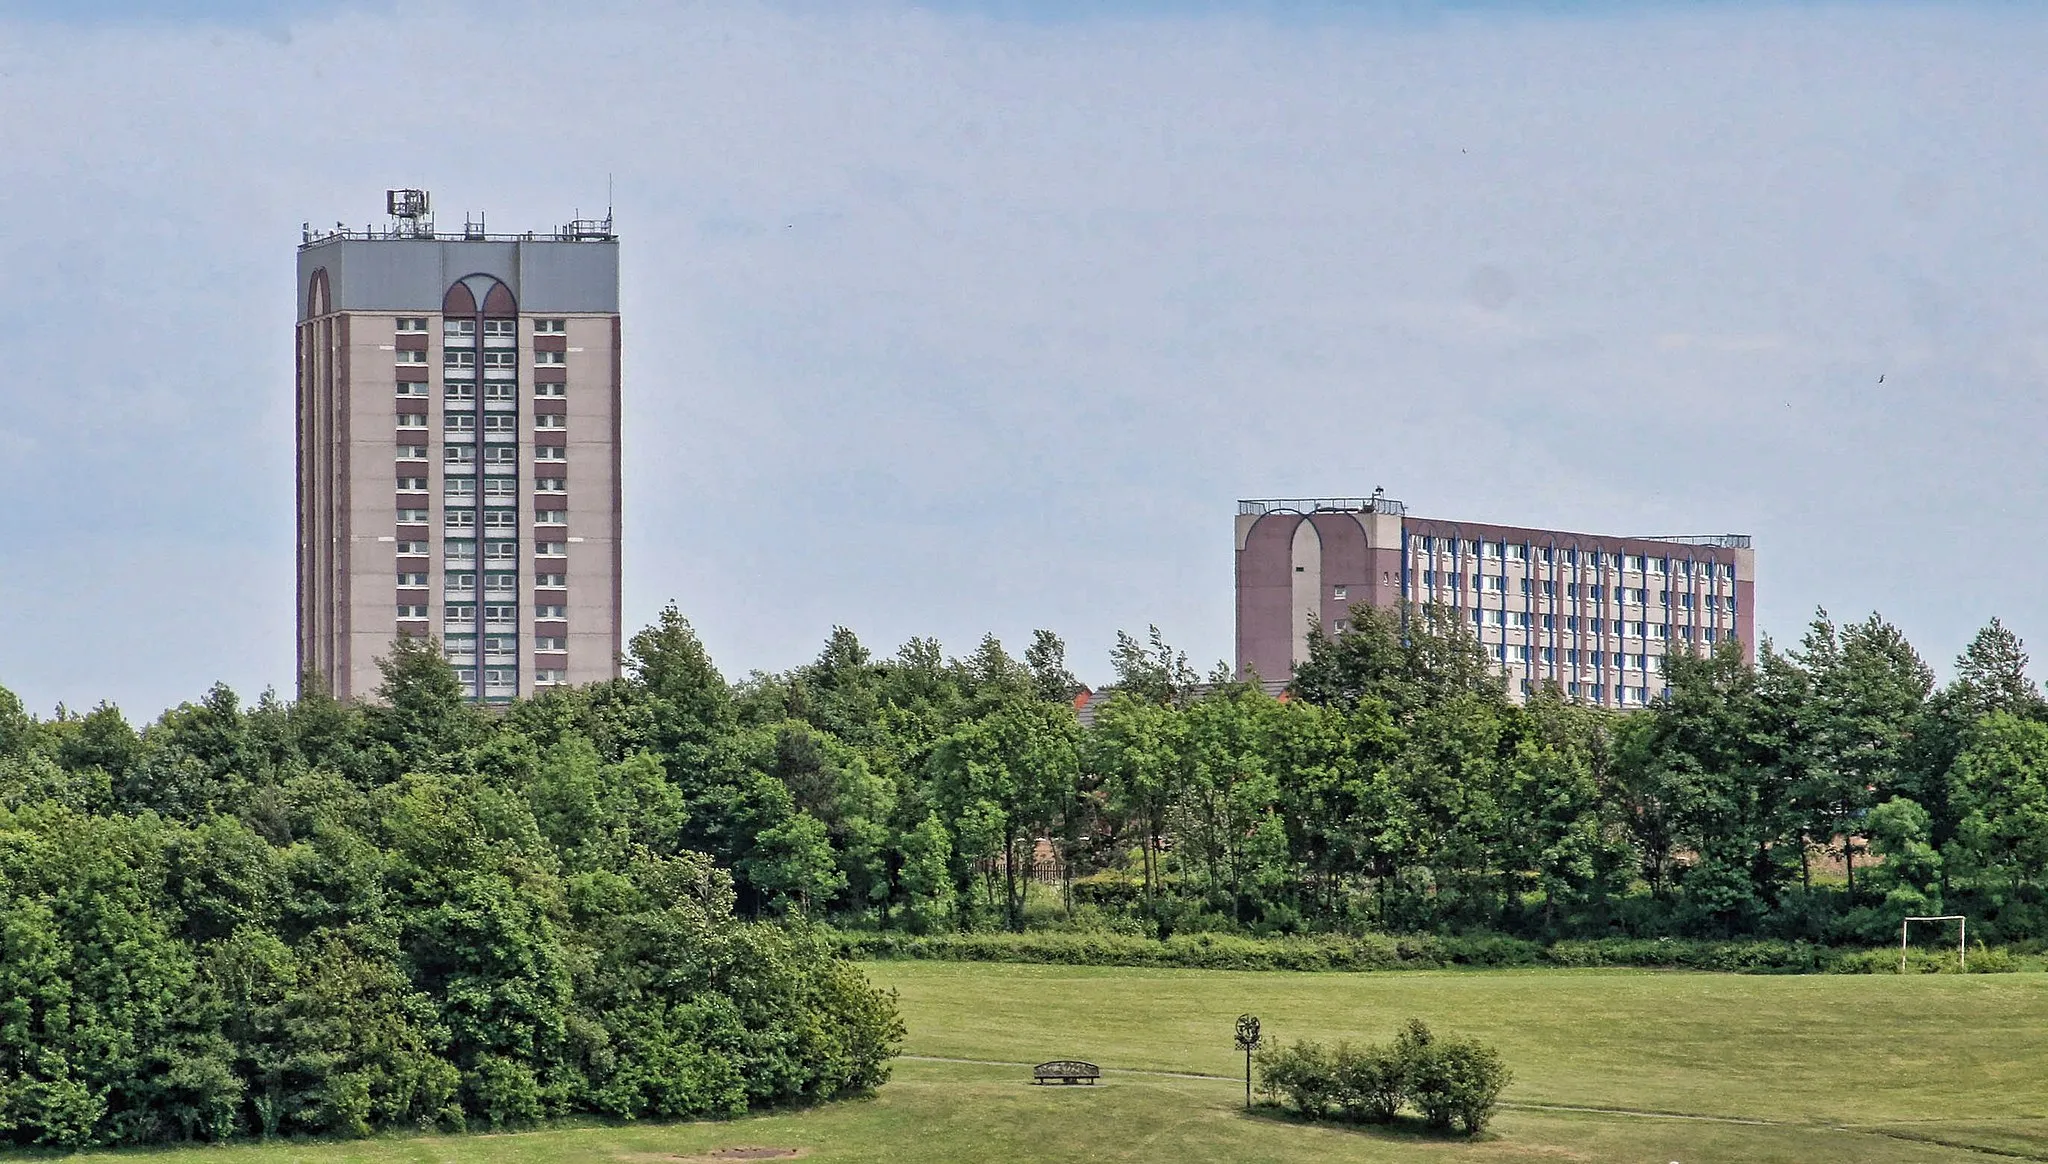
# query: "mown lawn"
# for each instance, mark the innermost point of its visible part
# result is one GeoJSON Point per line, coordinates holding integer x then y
{"type": "Point", "coordinates": [1872, 1069]}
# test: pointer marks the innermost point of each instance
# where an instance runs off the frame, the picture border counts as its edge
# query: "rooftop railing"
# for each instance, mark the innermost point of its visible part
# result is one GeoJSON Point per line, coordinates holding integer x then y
{"type": "Point", "coordinates": [1373, 504]}
{"type": "Point", "coordinates": [1725, 541]}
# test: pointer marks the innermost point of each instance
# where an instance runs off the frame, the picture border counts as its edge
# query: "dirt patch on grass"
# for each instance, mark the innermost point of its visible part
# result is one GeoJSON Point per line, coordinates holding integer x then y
{"type": "Point", "coordinates": [741, 1154]}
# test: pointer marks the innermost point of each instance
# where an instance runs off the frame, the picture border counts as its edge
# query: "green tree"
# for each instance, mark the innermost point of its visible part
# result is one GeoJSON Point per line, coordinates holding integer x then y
{"type": "Point", "coordinates": [927, 875]}
{"type": "Point", "coordinates": [2002, 778]}
{"type": "Point", "coordinates": [1006, 778]}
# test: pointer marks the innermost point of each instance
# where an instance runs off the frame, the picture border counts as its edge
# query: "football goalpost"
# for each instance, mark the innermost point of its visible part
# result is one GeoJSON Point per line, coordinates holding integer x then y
{"type": "Point", "coordinates": [1962, 938]}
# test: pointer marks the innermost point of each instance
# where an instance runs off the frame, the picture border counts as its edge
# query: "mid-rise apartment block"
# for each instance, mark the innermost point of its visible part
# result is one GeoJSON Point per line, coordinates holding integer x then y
{"type": "Point", "coordinates": [458, 452]}
{"type": "Point", "coordinates": [1593, 614]}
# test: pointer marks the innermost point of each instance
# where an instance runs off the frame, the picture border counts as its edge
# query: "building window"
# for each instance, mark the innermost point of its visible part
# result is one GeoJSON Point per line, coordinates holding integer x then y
{"type": "Point", "coordinates": [1571, 656]}
{"type": "Point", "coordinates": [500, 422]}
{"type": "Point", "coordinates": [408, 611]}
{"type": "Point", "coordinates": [459, 547]}
{"type": "Point", "coordinates": [550, 579]}
{"type": "Point", "coordinates": [501, 551]}
{"type": "Point", "coordinates": [458, 327]}
{"type": "Point", "coordinates": [504, 327]}
{"type": "Point", "coordinates": [456, 358]}
{"type": "Point", "coordinates": [501, 644]}
{"type": "Point", "coordinates": [1594, 593]}
{"type": "Point", "coordinates": [1336, 592]}
{"type": "Point", "coordinates": [550, 389]}
{"type": "Point", "coordinates": [561, 453]}
{"type": "Point", "coordinates": [460, 612]}
{"type": "Point", "coordinates": [412, 515]}
{"type": "Point", "coordinates": [412, 323]}
{"type": "Point", "coordinates": [405, 548]}
{"type": "Point", "coordinates": [501, 614]}
{"type": "Point", "coordinates": [551, 549]}
{"type": "Point", "coordinates": [1521, 618]}
{"type": "Point", "coordinates": [501, 519]}
{"type": "Point", "coordinates": [1525, 587]}
{"type": "Point", "coordinates": [1519, 553]}
{"type": "Point", "coordinates": [459, 519]}
{"type": "Point", "coordinates": [1659, 631]}
{"type": "Point", "coordinates": [501, 359]}
{"type": "Point", "coordinates": [1663, 598]}
{"type": "Point", "coordinates": [412, 357]}
{"type": "Point", "coordinates": [550, 327]}
{"type": "Point", "coordinates": [551, 516]}
{"type": "Point", "coordinates": [501, 486]}
{"type": "Point", "coordinates": [412, 452]}
{"type": "Point", "coordinates": [412, 388]}
{"type": "Point", "coordinates": [1596, 659]}
{"type": "Point", "coordinates": [550, 611]}
{"type": "Point", "coordinates": [461, 582]}
{"type": "Point", "coordinates": [461, 486]}
{"type": "Point", "coordinates": [1708, 634]}
{"type": "Point", "coordinates": [412, 420]}
{"type": "Point", "coordinates": [1731, 604]}
{"type": "Point", "coordinates": [558, 485]}
{"type": "Point", "coordinates": [1599, 626]}
{"type": "Point", "coordinates": [460, 391]}
{"type": "Point", "coordinates": [555, 358]}
{"type": "Point", "coordinates": [550, 643]}
{"type": "Point", "coordinates": [459, 454]}
{"type": "Point", "coordinates": [551, 420]}
{"type": "Point", "coordinates": [550, 676]}
{"type": "Point", "coordinates": [411, 579]}
{"type": "Point", "coordinates": [500, 677]}
{"type": "Point", "coordinates": [502, 455]}
{"type": "Point", "coordinates": [1571, 623]}
{"type": "Point", "coordinates": [457, 421]}
{"type": "Point", "coordinates": [412, 484]}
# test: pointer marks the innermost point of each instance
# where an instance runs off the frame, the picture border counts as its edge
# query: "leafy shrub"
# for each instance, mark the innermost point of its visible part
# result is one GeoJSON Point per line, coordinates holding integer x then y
{"type": "Point", "coordinates": [1451, 1082]}
{"type": "Point", "coordinates": [1456, 1080]}
{"type": "Point", "coordinates": [1371, 1082]}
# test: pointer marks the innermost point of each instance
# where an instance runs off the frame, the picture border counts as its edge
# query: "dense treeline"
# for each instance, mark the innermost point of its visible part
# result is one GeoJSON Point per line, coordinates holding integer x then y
{"type": "Point", "coordinates": [322, 919]}
{"type": "Point", "coordinates": [311, 916]}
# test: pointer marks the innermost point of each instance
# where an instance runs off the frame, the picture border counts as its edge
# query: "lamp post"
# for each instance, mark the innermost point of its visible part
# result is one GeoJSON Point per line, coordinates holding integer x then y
{"type": "Point", "coordinates": [1247, 1041]}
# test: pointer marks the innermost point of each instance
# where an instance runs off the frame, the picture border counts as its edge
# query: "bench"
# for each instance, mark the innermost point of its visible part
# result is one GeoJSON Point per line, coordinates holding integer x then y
{"type": "Point", "coordinates": [1066, 1071]}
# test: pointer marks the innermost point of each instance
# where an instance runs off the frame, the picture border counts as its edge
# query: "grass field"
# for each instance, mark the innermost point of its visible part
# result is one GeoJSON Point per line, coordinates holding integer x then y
{"type": "Point", "coordinates": [1610, 1066]}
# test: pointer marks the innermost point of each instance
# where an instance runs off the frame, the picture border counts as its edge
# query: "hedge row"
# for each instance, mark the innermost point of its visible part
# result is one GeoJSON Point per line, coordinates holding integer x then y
{"type": "Point", "coordinates": [1388, 952]}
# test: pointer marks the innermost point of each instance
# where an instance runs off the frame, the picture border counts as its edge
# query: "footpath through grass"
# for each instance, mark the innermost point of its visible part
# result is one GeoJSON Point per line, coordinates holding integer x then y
{"type": "Point", "coordinates": [1872, 1069]}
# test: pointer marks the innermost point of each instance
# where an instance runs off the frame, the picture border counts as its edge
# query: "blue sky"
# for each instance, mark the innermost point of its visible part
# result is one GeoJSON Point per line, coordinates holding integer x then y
{"type": "Point", "coordinates": [979, 316]}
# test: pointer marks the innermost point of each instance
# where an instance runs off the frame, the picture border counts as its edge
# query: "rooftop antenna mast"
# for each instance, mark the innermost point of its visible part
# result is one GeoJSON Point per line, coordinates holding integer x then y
{"type": "Point", "coordinates": [411, 213]}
